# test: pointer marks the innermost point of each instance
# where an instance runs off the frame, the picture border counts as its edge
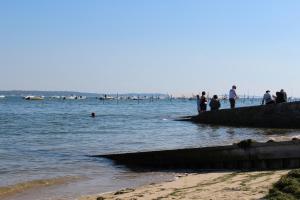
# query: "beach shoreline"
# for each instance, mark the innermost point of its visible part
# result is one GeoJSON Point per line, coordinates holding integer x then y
{"type": "Point", "coordinates": [228, 185]}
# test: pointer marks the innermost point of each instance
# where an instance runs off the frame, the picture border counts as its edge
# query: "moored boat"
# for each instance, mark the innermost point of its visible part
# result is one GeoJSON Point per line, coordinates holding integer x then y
{"type": "Point", "coordinates": [55, 97]}
{"type": "Point", "coordinates": [283, 115]}
{"type": "Point", "coordinates": [80, 97]}
{"type": "Point", "coordinates": [34, 98]}
{"type": "Point", "coordinates": [106, 97]}
{"type": "Point", "coordinates": [72, 97]}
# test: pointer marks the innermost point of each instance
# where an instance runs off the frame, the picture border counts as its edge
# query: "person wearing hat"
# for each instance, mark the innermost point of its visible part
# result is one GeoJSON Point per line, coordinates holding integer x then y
{"type": "Point", "coordinates": [267, 98]}
{"type": "Point", "coordinates": [232, 96]}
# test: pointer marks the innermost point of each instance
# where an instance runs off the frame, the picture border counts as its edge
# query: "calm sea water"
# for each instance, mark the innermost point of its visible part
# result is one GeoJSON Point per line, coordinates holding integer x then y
{"type": "Point", "coordinates": [51, 141]}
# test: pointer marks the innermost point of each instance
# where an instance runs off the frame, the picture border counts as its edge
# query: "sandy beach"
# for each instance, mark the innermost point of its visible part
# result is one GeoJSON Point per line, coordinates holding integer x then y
{"type": "Point", "coordinates": [206, 186]}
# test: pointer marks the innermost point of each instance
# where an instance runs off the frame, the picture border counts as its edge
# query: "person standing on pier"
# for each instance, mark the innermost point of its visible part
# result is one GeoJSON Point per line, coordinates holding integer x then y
{"type": "Point", "coordinates": [281, 97]}
{"type": "Point", "coordinates": [198, 104]}
{"type": "Point", "coordinates": [203, 102]}
{"type": "Point", "coordinates": [284, 95]}
{"type": "Point", "coordinates": [267, 98]}
{"type": "Point", "coordinates": [214, 103]}
{"type": "Point", "coordinates": [232, 96]}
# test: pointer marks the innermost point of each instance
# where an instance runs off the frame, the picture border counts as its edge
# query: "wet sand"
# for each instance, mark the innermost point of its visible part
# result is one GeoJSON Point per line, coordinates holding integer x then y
{"type": "Point", "coordinates": [9, 192]}
{"type": "Point", "coordinates": [206, 186]}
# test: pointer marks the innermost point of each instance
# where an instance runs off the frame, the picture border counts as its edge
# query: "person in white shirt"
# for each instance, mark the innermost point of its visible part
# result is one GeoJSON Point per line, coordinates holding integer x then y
{"type": "Point", "coordinates": [232, 96]}
{"type": "Point", "coordinates": [267, 98]}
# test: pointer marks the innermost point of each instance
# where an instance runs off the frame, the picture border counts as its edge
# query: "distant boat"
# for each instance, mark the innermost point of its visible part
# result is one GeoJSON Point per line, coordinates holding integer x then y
{"type": "Point", "coordinates": [282, 115]}
{"type": "Point", "coordinates": [72, 97]}
{"type": "Point", "coordinates": [105, 97]}
{"type": "Point", "coordinates": [34, 98]}
{"type": "Point", "coordinates": [81, 97]}
{"type": "Point", "coordinates": [2, 97]}
{"type": "Point", "coordinates": [135, 98]}
{"type": "Point", "coordinates": [55, 97]}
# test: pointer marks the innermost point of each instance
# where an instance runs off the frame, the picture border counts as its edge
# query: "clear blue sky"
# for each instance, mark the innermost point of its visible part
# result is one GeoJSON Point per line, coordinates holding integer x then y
{"type": "Point", "coordinates": [169, 46]}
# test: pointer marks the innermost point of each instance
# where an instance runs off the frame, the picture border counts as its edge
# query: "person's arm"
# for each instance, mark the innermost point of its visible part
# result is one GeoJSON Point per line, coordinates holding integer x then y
{"type": "Point", "coordinates": [235, 95]}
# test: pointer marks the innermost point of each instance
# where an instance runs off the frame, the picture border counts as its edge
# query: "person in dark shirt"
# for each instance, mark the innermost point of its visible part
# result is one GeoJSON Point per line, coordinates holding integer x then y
{"type": "Point", "coordinates": [198, 104]}
{"type": "Point", "coordinates": [214, 103]}
{"type": "Point", "coordinates": [203, 102]}
{"type": "Point", "coordinates": [279, 97]}
{"type": "Point", "coordinates": [284, 95]}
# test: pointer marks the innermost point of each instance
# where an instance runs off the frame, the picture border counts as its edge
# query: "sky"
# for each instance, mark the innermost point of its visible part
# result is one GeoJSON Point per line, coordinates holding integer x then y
{"type": "Point", "coordinates": [168, 46]}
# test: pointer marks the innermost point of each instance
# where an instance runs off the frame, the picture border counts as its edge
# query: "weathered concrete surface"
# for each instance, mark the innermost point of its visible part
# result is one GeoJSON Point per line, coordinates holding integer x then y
{"type": "Point", "coordinates": [284, 115]}
{"type": "Point", "coordinates": [261, 156]}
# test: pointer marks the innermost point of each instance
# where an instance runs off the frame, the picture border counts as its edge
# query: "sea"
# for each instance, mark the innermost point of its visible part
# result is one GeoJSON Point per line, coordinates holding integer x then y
{"type": "Point", "coordinates": [46, 146]}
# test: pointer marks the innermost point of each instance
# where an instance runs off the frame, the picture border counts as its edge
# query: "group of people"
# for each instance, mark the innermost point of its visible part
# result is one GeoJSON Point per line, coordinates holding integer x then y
{"type": "Point", "coordinates": [215, 104]}
{"type": "Point", "coordinates": [280, 97]}
{"type": "Point", "coordinates": [202, 103]}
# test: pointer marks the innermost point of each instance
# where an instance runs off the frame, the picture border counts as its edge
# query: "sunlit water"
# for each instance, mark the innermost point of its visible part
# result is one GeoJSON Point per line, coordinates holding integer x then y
{"type": "Point", "coordinates": [52, 140]}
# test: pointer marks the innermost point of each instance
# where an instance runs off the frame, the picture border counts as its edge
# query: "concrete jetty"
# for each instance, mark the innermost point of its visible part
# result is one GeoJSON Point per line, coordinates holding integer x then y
{"type": "Point", "coordinates": [246, 155]}
{"type": "Point", "coordinates": [283, 115]}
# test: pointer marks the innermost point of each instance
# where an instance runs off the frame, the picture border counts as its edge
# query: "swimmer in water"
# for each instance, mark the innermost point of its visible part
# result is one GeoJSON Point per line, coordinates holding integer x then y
{"type": "Point", "coordinates": [93, 114]}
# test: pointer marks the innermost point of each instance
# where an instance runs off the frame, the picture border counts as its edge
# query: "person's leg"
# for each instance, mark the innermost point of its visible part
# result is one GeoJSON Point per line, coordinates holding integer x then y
{"type": "Point", "coordinates": [232, 103]}
{"type": "Point", "coordinates": [203, 108]}
{"type": "Point", "coordinates": [273, 102]}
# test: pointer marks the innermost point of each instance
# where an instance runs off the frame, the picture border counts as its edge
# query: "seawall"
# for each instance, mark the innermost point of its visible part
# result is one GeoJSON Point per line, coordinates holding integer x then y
{"type": "Point", "coordinates": [247, 155]}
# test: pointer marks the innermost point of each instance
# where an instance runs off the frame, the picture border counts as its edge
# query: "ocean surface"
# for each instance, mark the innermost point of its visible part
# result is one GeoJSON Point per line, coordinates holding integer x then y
{"type": "Point", "coordinates": [45, 146]}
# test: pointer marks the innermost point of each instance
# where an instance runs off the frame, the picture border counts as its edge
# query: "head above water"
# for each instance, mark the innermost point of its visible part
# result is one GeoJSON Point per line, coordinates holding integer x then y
{"type": "Point", "coordinates": [93, 114]}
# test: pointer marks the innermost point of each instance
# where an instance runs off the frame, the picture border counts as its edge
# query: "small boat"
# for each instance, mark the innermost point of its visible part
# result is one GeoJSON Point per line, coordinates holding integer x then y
{"type": "Point", "coordinates": [55, 97]}
{"type": "Point", "coordinates": [70, 97]}
{"type": "Point", "coordinates": [138, 98]}
{"type": "Point", "coordinates": [80, 97]}
{"type": "Point", "coordinates": [106, 97]}
{"type": "Point", "coordinates": [283, 115]}
{"type": "Point", "coordinates": [34, 98]}
{"type": "Point", "coordinates": [109, 98]}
